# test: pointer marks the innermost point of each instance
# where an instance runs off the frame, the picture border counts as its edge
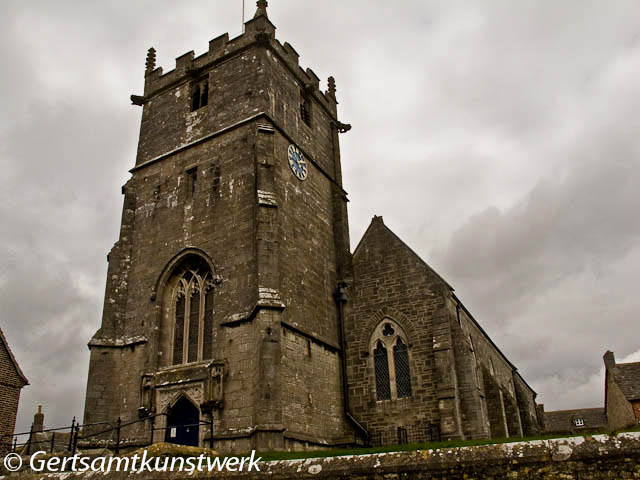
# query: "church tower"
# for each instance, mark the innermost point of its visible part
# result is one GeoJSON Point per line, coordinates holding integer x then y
{"type": "Point", "coordinates": [220, 306]}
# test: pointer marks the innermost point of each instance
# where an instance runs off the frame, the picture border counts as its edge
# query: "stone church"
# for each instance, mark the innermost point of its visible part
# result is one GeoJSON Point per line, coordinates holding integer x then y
{"type": "Point", "coordinates": [235, 313]}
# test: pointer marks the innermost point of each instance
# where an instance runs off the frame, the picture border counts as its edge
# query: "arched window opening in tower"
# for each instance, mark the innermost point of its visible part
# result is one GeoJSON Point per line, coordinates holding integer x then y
{"type": "Point", "coordinates": [193, 314]}
{"type": "Point", "coordinates": [192, 185]}
{"type": "Point", "coordinates": [200, 95]}
{"type": "Point", "coordinates": [195, 98]}
{"type": "Point", "coordinates": [305, 107]}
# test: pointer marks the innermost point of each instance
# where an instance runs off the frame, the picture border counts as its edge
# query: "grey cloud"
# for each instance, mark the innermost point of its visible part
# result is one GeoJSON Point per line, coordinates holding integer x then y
{"type": "Point", "coordinates": [497, 139]}
{"type": "Point", "coordinates": [552, 275]}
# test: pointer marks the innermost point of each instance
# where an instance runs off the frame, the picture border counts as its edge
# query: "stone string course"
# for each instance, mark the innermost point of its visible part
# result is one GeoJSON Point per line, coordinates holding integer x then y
{"type": "Point", "coordinates": [596, 457]}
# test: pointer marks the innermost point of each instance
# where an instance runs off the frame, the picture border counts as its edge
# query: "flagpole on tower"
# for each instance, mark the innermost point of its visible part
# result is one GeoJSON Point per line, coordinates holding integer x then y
{"type": "Point", "coordinates": [242, 16]}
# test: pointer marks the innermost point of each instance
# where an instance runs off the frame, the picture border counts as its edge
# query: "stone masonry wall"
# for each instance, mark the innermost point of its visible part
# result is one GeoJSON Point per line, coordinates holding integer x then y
{"type": "Point", "coordinates": [463, 383]}
{"type": "Point", "coordinates": [285, 93]}
{"type": "Point", "coordinates": [268, 236]}
{"type": "Point", "coordinates": [308, 262]}
{"type": "Point", "coordinates": [391, 281]}
{"type": "Point", "coordinates": [579, 458]}
{"type": "Point", "coordinates": [584, 458]}
{"type": "Point", "coordinates": [167, 119]}
{"type": "Point", "coordinates": [307, 266]}
{"type": "Point", "coordinates": [512, 393]}
{"type": "Point", "coordinates": [168, 218]}
{"type": "Point", "coordinates": [298, 237]}
{"type": "Point", "coordinates": [311, 395]}
{"type": "Point", "coordinates": [619, 412]}
{"type": "Point", "coordinates": [531, 424]}
{"type": "Point", "coordinates": [473, 408]}
{"type": "Point", "coordinates": [10, 385]}
{"type": "Point", "coordinates": [302, 266]}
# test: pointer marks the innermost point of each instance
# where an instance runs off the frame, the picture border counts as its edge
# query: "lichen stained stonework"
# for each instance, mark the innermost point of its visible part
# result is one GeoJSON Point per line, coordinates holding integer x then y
{"type": "Point", "coordinates": [232, 288]}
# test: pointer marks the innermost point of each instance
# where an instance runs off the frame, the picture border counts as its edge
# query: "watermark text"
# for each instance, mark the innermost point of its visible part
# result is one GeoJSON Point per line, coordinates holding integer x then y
{"type": "Point", "coordinates": [43, 462]}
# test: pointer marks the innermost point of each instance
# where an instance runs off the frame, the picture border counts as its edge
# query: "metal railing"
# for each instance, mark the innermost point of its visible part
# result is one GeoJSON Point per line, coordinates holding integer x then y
{"type": "Point", "coordinates": [11, 443]}
{"type": "Point", "coordinates": [429, 432]}
{"type": "Point", "coordinates": [112, 437]}
{"type": "Point", "coordinates": [81, 432]}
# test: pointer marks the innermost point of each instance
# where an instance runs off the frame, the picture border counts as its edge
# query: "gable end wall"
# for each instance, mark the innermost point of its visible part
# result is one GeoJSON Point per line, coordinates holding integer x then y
{"type": "Point", "coordinates": [391, 281]}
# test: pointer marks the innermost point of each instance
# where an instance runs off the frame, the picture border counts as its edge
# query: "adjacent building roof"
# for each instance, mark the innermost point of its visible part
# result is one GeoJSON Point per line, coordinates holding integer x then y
{"type": "Point", "coordinates": [627, 376]}
{"type": "Point", "coordinates": [570, 420]}
{"type": "Point", "coordinates": [3, 341]}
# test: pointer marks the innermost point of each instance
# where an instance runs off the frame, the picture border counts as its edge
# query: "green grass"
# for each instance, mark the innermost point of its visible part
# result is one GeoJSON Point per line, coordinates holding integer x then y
{"type": "Point", "coordinates": [634, 429]}
{"type": "Point", "coordinates": [340, 452]}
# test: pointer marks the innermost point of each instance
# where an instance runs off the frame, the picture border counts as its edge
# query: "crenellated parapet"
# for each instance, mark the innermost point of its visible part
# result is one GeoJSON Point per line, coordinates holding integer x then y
{"type": "Point", "coordinates": [259, 32]}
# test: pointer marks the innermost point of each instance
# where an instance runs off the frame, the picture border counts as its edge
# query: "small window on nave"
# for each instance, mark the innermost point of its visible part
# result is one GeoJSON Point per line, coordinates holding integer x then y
{"type": "Point", "coordinates": [391, 362]}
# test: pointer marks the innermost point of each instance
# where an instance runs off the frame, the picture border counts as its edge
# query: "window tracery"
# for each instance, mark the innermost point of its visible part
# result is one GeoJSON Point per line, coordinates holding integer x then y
{"type": "Point", "coordinates": [192, 314]}
{"type": "Point", "coordinates": [391, 361]}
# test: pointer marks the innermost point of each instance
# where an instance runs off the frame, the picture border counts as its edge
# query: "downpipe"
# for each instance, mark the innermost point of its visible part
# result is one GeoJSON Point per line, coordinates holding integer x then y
{"type": "Point", "coordinates": [340, 296]}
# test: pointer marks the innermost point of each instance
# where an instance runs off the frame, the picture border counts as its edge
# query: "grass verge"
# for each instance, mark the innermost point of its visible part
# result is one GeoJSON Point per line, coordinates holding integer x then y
{"type": "Point", "coordinates": [340, 452]}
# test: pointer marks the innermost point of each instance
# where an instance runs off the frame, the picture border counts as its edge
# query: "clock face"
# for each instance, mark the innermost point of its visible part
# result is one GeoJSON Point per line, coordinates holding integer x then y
{"type": "Point", "coordinates": [297, 162]}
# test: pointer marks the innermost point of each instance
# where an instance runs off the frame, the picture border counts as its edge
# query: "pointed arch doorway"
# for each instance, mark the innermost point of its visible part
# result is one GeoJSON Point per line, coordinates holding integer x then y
{"type": "Point", "coordinates": [183, 423]}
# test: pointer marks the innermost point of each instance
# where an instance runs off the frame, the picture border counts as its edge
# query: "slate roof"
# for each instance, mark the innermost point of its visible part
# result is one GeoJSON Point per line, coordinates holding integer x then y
{"type": "Point", "coordinates": [562, 420]}
{"type": "Point", "coordinates": [627, 376]}
{"type": "Point", "coordinates": [3, 340]}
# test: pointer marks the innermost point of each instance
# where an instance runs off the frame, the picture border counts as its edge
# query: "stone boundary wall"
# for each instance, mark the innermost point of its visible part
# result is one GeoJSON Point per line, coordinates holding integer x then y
{"type": "Point", "coordinates": [590, 457]}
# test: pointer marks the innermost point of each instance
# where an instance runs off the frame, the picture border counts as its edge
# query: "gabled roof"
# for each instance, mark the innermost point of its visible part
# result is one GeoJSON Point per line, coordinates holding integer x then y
{"type": "Point", "coordinates": [627, 376]}
{"type": "Point", "coordinates": [376, 220]}
{"type": "Point", "coordinates": [3, 340]}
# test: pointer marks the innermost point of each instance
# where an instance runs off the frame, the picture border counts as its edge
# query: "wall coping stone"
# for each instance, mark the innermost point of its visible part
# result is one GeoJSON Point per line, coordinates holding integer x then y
{"type": "Point", "coordinates": [594, 456]}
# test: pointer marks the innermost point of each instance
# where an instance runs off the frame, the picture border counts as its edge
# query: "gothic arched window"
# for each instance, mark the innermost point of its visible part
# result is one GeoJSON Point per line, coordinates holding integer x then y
{"type": "Point", "coordinates": [192, 314]}
{"type": "Point", "coordinates": [391, 361]}
{"type": "Point", "coordinates": [381, 361]}
{"type": "Point", "coordinates": [403, 376]}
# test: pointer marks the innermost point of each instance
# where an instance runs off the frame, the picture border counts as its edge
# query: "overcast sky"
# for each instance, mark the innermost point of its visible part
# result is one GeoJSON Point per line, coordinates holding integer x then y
{"type": "Point", "coordinates": [498, 139]}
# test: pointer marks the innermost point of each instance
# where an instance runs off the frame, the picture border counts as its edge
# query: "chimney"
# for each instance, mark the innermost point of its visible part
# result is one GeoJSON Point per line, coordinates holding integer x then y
{"type": "Point", "coordinates": [38, 420]}
{"type": "Point", "coordinates": [609, 360]}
